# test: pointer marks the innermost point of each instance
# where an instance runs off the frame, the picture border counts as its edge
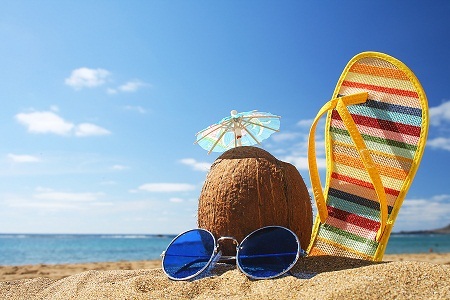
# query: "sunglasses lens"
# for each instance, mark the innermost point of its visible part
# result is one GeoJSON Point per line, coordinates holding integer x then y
{"type": "Point", "coordinates": [188, 254]}
{"type": "Point", "coordinates": [268, 252]}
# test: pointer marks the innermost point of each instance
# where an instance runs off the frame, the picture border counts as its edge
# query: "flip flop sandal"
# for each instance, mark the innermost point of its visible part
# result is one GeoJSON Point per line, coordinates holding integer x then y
{"type": "Point", "coordinates": [376, 128]}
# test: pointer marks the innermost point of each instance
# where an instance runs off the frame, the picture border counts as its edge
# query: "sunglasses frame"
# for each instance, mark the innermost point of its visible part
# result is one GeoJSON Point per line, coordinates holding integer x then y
{"type": "Point", "coordinates": [216, 255]}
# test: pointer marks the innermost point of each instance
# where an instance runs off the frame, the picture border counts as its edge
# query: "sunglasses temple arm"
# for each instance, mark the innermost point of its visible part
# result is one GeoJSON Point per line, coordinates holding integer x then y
{"type": "Point", "coordinates": [303, 253]}
{"type": "Point", "coordinates": [213, 262]}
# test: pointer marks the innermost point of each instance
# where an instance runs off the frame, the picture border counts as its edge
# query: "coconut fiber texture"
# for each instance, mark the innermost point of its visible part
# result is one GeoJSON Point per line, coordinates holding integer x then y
{"type": "Point", "coordinates": [248, 188]}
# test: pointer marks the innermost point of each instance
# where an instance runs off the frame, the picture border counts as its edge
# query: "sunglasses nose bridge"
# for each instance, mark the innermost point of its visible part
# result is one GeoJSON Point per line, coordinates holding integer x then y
{"type": "Point", "coordinates": [224, 238]}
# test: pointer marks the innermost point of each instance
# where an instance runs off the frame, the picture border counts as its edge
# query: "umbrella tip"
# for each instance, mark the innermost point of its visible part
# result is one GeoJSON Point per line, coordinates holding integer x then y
{"type": "Point", "coordinates": [233, 113]}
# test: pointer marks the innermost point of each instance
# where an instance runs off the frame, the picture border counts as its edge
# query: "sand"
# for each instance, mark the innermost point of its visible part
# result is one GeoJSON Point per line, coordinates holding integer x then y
{"type": "Point", "coordinates": [405, 276]}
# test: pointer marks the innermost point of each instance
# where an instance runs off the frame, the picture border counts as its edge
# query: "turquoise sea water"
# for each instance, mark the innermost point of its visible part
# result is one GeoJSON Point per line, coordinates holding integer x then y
{"type": "Point", "coordinates": [22, 249]}
{"type": "Point", "coordinates": [418, 243]}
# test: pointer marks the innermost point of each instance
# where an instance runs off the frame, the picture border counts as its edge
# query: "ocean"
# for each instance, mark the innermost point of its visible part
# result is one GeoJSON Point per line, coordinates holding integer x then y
{"type": "Point", "coordinates": [23, 249]}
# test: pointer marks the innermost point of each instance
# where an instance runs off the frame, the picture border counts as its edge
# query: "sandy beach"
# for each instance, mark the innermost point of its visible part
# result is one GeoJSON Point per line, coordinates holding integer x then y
{"type": "Point", "coordinates": [402, 276]}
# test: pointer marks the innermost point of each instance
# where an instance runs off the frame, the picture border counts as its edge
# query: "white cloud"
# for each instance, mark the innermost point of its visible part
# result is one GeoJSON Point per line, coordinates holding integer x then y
{"type": "Point", "coordinates": [52, 200]}
{"type": "Point", "coordinates": [440, 114]}
{"type": "Point", "coordinates": [128, 87]}
{"type": "Point", "coordinates": [108, 182]}
{"type": "Point", "coordinates": [440, 143]}
{"type": "Point", "coordinates": [70, 197]}
{"type": "Point", "coordinates": [139, 109]}
{"type": "Point", "coordinates": [176, 200]}
{"type": "Point", "coordinates": [88, 129]}
{"type": "Point", "coordinates": [132, 86]}
{"type": "Point", "coordinates": [305, 123]}
{"type": "Point", "coordinates": [85, 77]}
{"type": "Point", "coordinates": [111, 91]}
{"type": "Point", "coordinates": [301, 162]}
{"type": "Point", "coordinates": [45, 122]}
{"type": "Point", "coordinates": [285, 136]}
{"type": "Point", "coordinates": [119, 167]}
{"type": "Point", "coordinates": [42, 122]}
{"type": "Point", "coordinates": [23, 158]}
{"type": "Point", "coordinates": [167, 187]}
{"type": "Point", "coordinates": [297, 154]}
{"type": "Point", "coordinates": [433, 212]}
{"type": "Point", "coordinates": [52, 206]}
{"type": "Point", "coordinates": [196, 165]}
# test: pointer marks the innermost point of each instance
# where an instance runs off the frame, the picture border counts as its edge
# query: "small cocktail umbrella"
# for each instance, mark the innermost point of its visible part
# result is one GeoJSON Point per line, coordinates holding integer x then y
{"type": "Point", "coordinates": [239, 129]}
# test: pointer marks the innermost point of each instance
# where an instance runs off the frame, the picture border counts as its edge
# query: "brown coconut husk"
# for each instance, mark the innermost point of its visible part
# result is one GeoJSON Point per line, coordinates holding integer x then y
{"type": "Point", "coordinates": [248, 188]}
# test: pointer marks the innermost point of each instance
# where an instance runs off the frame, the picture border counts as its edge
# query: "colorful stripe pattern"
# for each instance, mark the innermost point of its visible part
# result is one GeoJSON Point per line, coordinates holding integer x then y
{"type": "Point", "coordinates": [390, 124]}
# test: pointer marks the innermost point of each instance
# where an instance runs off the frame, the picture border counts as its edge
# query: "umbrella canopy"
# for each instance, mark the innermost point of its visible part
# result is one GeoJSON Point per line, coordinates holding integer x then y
{"type": "Point", "coordinates": [239, 129]}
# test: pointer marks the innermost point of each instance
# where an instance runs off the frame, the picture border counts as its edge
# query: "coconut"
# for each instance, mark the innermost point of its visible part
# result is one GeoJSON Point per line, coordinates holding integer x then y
{"type": "Point", "coordinates": [248, 188]}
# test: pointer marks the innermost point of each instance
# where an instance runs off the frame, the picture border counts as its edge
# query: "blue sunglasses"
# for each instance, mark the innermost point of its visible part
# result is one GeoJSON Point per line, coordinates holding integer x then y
{"type": "Point", "coordinates": [265, 253]}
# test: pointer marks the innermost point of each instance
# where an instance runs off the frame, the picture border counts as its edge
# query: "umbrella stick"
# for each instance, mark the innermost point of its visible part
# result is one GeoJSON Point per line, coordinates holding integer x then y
{"type": "Point", "coordinates": [221, 135]}
{"type": "Point", "coordinates": [261, 116]}
{"type": "Point", "coordinates": [215, 129]}
{"type": "Point", "coordinates": [267, 127]}
{"type": "Point", "coordinates": [256, 140]}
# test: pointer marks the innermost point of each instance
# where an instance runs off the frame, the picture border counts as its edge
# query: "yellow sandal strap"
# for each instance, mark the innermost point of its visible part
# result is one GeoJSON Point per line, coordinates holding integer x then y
{"type": "Point", "coordinates": [340, 104]}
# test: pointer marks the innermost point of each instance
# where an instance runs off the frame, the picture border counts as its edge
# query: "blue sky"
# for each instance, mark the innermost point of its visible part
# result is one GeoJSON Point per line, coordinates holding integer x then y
{"type": "Point", "coordinates": [101, 100]}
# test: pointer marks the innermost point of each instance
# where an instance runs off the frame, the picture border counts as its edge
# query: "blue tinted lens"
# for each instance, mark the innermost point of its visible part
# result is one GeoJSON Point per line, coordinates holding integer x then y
{"type": "Point", "coordinates": [188, 254]}
{"type": "Point", "coordinates": [268, 252]}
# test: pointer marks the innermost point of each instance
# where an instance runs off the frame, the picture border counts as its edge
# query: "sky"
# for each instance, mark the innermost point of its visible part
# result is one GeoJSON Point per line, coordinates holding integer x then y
{"type": "Point", "coordinates": [101, 100]}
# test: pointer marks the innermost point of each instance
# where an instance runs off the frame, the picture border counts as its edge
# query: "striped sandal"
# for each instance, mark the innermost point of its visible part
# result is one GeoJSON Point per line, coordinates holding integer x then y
{"type": "Point", "coordinates": [376, 128]}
